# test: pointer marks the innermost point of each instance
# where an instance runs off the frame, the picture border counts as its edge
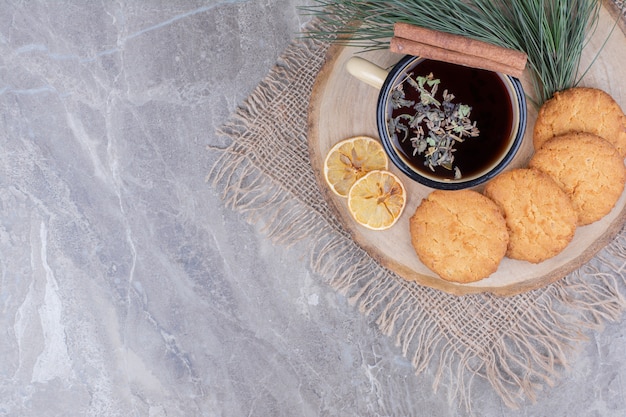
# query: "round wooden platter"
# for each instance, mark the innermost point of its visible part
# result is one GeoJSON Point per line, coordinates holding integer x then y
{"type": "Point", "coordinates": [342, 107]}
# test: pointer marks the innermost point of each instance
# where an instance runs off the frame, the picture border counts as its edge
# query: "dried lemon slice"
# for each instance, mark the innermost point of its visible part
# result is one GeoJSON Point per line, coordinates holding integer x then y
{"type": "Point", "coordinates": [350, 160]}
{"type": "Point", "coordinates": [377, 200]}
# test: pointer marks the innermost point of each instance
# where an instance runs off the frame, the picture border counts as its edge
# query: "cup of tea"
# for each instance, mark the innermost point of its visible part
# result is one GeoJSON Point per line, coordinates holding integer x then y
{"type": "Point", "coordinates": [444, 125]}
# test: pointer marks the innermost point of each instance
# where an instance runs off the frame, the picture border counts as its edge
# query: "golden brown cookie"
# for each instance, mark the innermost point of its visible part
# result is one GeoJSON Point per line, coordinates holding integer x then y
{"type": "Point", "coordinates": [460, 235]}
{"type": "Point", "coordinates": [588, 168]}
{"type": "Point", "coordinates": [539, 215]}
{"type": "Point", "coordinates": [581, 109]}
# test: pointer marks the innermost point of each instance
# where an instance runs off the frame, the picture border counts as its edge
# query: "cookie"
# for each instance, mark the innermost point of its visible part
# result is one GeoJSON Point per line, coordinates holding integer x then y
{"type": "Point", "coordinates": [581, 109]}
{"type": "Point", "coordinates": [460, 235]}
{"type": "Point", "coordinates": [540, 216]}
{"type": "Point", "coordinates": [588, 168]}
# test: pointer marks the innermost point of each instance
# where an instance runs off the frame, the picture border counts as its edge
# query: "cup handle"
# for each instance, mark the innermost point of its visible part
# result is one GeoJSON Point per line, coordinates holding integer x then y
{"type": "Point", "coordinates": [366, 71]}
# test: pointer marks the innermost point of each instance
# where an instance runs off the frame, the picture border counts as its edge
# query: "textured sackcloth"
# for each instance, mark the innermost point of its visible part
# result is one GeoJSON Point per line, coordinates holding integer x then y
{"type": "Point", "coordinates": [517, 343]}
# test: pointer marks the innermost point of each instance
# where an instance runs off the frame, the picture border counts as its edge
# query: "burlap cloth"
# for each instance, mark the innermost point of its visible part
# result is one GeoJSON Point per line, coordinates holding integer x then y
{"type": "Point", "coordinates": [517, 343]}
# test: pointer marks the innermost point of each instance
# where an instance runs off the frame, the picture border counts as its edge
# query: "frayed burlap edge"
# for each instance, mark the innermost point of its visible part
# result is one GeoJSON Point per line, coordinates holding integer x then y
{"type": "Point", "coordinates": [519, 344]}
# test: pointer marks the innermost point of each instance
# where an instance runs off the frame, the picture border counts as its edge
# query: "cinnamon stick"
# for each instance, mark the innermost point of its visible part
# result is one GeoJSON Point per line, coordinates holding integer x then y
{"type": "Point", "coordinates": [455, 44]}
{"type": "Point", "coordinates": [408, 47]}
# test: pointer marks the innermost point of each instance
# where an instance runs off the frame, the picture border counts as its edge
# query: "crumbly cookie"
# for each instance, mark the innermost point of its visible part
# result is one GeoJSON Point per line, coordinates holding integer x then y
{"type": "Point", "coordinates": [539, 215]}
{"type": "Point", "coordinates": [588, 168]}
{"type": "Point", "coordinates": [581, 109]}
{"type": "Point", "coordinates": [460, 235]}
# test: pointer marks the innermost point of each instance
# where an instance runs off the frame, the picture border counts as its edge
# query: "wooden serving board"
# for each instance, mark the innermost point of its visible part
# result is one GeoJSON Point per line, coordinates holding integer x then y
{"type": "Point", "coordinates": [342, 107]}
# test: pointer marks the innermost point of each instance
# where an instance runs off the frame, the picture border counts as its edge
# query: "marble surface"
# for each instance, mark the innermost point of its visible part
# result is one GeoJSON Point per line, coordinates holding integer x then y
{"type": "Point", "coordinates": [127, 288]}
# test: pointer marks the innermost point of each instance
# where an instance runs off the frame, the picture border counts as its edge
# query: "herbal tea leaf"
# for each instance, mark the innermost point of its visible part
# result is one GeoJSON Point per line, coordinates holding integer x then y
{"type": "Point", "coordinates": [432, 118]}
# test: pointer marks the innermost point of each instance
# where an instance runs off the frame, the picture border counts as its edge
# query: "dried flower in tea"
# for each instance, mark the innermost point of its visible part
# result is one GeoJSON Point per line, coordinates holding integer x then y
{"type": "Point", "coordinates": [432, 126]}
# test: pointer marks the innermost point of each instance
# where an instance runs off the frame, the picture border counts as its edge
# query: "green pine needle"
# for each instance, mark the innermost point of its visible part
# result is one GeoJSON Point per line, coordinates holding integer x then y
{"type": "Point", "coordinates": [552, 32]}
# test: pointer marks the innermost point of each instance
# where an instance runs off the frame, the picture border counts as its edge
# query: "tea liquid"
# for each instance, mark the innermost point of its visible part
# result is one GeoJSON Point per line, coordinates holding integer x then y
{"type": "Point", "coordinates": [487, 95]}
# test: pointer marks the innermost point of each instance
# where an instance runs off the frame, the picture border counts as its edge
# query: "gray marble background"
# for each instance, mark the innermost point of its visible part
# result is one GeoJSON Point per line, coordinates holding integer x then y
{"type": "Point", "coordinates": [128, 289]}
